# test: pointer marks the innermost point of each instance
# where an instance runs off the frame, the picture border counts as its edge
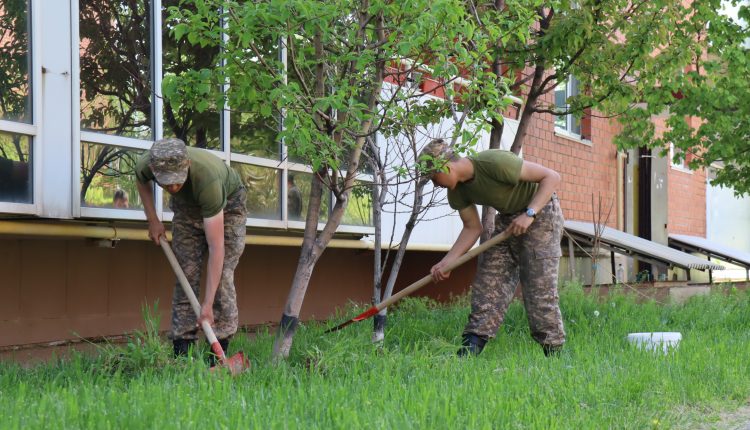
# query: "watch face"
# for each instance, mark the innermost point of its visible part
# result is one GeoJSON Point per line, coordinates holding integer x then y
{"type": "Point", "coordinates": [530, 212]}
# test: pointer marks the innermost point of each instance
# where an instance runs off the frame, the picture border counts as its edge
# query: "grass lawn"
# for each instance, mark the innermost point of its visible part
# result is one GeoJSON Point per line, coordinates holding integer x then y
{"type": "Point", "coordinates": [342, 381]}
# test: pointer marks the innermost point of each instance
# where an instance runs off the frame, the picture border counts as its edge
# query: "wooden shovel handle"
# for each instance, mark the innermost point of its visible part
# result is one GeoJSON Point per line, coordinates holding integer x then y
{"type": "Point", "coordinates": [207, 330]}
{"type": "Point", "coordinates": [459, 261]}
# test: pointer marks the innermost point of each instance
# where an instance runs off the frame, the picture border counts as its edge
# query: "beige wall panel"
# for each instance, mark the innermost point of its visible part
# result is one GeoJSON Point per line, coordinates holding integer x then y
{"type": "Point", "coordinates": [87, 279]}
{"type": "Point", "coordinates": [127, 281]}
{"type": "Point", "coordinates": [43, 274]}
{"type": "Point", "coordinates": [104, 289]}
{"type": "Point", "coordinates": [10, 280]}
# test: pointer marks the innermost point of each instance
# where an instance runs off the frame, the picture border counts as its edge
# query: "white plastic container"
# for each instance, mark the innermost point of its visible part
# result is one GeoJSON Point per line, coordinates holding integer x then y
{"type": "Point", "coordinates": [664, 341]}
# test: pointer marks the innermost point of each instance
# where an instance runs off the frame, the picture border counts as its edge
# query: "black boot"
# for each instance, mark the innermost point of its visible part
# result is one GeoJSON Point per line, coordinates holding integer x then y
{"type": "Point", "coordinates": [551, 350]}
{"type": "Point", "coordinates": [472, 345]}
{"type": "Point", "coordinates": [212, 359]}
{"type": "Point", "coordinates": [181, 347]}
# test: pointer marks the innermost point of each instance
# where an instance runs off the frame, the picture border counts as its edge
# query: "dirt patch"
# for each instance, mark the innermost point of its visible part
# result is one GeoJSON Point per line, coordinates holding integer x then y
{"type": "Point", "coordinates": [735, 420]}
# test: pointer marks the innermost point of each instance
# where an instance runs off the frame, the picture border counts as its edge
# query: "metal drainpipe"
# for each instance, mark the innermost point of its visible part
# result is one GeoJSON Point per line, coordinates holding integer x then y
{"type": "Point", "coordinates": [25, 228]}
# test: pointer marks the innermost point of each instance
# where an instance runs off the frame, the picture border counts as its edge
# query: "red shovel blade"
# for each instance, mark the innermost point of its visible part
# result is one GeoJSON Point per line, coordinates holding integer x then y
{"type": "Point", "coordinates": [372, 311]}
{"type": "Point", "coordinates": [235, 364]}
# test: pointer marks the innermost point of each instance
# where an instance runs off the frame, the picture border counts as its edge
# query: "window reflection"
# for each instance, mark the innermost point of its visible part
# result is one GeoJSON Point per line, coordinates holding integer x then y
{"type": "Point", "coordinates": [263, 190]}
{"type": "Point", "coordinates": [115, 62]}
{"type": "Point", "coordinates": [108, 177]}
{"type": "Point", "coordinates": [15, 168]}
{"type": "Point", "coordinates": [359, 209]}
{"type": "Point", "coordinates": [303, 182]}
{"type": "Point", "coordinates": [199, 129]}
{"type": "Point", "coordinates": [15, 61]}
{"type": "Point", "coordinates": [254, 132]}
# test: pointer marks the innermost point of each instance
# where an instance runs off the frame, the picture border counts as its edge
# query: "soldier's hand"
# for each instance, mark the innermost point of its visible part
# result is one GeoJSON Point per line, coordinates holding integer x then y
{"type": "Point", "coordinates": [437, 271]}
{"type": "Point", "coordinates": [520, 224]}
{"type": "Point", "coordinates": [207, 314]}
{"type": "Point", "coordinates": [156, 230]}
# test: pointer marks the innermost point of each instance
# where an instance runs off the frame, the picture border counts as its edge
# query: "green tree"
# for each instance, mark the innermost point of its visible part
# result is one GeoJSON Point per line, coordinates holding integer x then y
{"type": "Point", "coordinates": [619, 50]}
{"type": "Point", "coordinates": [708, 104]}
{"type": "Point", "coordinates": [330, 93]}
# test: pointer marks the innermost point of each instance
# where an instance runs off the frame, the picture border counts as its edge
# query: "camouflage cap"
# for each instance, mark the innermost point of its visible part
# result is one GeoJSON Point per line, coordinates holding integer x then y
{"type": "Point", "coordinates": [434, 156]}
{"type": "Point", "coordinates": [169, 161]}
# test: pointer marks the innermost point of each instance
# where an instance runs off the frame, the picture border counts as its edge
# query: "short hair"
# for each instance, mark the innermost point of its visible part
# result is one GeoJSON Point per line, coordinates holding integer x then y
{"type": "Point", "coordinates": [120, 195]}
{"type": "Point", "coordinates": [434, 156]}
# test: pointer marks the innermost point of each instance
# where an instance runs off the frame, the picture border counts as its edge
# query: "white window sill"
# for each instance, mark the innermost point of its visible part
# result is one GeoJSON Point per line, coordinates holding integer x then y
{"type": "Point", "coordinates": [571, 136]}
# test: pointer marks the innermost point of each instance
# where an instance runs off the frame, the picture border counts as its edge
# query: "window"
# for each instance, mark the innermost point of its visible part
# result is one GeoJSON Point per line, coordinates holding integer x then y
{"type": "Point", "coordinates": [199, 129]}
{"type": "Point", "coordinates": [123, 52]}
{"type": "Point", "coordinates": [108, 177]}
{"type": "Point", "coordinates": [116, 103]}
{"type": "Point", "coordinates": [567, 123]}
{"type": "Point", "coordinates": [16, 119]}
{"type": "Point", "coordinates": [678, 159]}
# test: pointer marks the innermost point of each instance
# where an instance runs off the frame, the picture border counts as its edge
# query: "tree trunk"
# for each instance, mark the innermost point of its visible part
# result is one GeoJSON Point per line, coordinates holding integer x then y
{"type": "Point", "coordinates": [313, 245]}
{"type": "Point", "coordinates": [307, 259]}
{"type": "Point", "coordinates": [380, 319]}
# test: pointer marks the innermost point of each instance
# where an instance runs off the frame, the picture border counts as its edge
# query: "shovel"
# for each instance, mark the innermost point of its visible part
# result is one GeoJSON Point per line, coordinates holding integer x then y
{"type": "Point", "coordinates": [372, 311]}
{"type": "Point", "coordinates": [237, 363]}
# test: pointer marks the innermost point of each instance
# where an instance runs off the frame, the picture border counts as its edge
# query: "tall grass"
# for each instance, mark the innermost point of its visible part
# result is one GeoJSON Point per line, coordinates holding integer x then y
{"type": "Point", "coordinates": [414, 380]}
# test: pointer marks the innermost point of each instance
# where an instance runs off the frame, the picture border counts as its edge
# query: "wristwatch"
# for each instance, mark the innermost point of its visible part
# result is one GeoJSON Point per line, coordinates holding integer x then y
{"type": "Point", "coordinates": [530, 212]}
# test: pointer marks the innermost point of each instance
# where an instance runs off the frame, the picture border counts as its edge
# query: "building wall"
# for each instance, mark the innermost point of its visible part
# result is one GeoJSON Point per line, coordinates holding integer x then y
{"type": "Point", "coordinates": [55, 289]}
{"type": "Point", "coordinates": [587, 168]}
{"type": "Point", "coordinates": [687, 202]}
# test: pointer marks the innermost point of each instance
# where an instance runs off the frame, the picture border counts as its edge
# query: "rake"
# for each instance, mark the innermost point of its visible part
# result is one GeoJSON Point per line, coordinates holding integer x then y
{"type": "Point", "coordinates": [372, 311]}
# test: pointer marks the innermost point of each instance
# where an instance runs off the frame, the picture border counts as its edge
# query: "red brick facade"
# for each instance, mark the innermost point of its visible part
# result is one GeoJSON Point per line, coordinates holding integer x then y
{"type": "Point", "coordinates": [588, 168]}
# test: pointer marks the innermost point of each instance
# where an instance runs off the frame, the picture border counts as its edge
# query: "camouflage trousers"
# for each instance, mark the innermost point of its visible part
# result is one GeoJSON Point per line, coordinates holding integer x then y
{"type": "Point", "coordinates": [533, 259]}
{"type": "Point", "coordinates": [190, 248]}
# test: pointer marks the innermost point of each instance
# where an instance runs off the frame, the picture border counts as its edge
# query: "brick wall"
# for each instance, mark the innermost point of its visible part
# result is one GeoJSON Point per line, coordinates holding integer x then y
{"type": "Point", "coordinates": [687, 202]}
{"type": "Point", "coordinates": [587, 169]}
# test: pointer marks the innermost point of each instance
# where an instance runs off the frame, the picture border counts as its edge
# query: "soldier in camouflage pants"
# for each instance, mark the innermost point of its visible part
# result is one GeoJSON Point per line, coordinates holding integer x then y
{"type": "Point", "coordinates": [524, 195]}
{"type": "Point", "coordinates": [533, 259]}
{"type": "Point", "coordinates": [208, 201]}
{"type": "Point", "coordinates": [190, 246]}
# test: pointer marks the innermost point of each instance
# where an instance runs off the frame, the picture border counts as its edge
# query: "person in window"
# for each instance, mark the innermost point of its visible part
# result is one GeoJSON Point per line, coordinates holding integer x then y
{"type": "Point", "coordinates": [524, 195]}
{"type": "Point", "coordinates": [294, 199]}
{"type": "Point", "coordinates": [120, 199]}
{"type": "Point", "coordinates": [14, 181]}
{"type": "Point", "coordinates": [208, 201]}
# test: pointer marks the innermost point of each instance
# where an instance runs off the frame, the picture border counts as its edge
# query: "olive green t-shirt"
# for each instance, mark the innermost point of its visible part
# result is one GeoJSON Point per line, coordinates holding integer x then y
{"type": "Point", "coordinates": [496, 183]}
{"type": "Point", "coordinates": [210, 181]}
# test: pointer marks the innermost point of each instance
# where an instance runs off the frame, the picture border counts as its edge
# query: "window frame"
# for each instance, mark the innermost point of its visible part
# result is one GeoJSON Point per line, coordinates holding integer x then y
{"type": "Point", "coordinates": [679, 167]}
{"type": "Point", "coordinates": [32, 129]}
{"type": "Point", "coordinates": [283, 166]}
{"type": "Point", "coordinates": [569, 118]}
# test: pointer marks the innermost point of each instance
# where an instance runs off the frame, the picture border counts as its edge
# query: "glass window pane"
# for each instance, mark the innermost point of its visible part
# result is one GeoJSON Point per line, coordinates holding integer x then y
{"type": "Point", "coordinates": [294, 198]}
{"type": "Point", "coordinates": [108, 177]}
{"type": "Point", "coordinates": [359, 209]}
{"type": "Point", "coordinates": [573, 86]}
{"type": "Point", "coordinates": [263, 190]}
{"type": "Point", "coordinates": [16, 182]}
{"type": "Point", "coordinates": [575, 124]}
{"type": "Point", "coordinates": [303, 181]}
{"type": "Point", "coordinates": [15, 61]}
{"type": "Point", "coordinates": [561, 96]}
{"type": "Point", "coordinates": [252, 134]}
{"type": "Point", "coordinates": [199, 129]}
{"type": "Point", "coordinates": [115, 61]}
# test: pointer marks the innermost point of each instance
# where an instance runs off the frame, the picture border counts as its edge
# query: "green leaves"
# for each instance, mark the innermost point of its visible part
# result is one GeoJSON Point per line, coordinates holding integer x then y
{"type": "Point", "coordinates": [713, 97]}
